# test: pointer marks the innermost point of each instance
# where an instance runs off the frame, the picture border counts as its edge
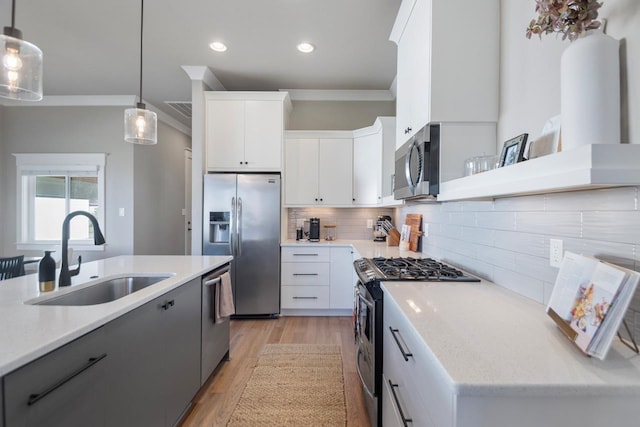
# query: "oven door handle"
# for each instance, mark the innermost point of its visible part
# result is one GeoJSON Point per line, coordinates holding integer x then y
{"type": "Point", "coordinates": [364, 384]}
{"type": "Point", "coordinates": [364, 300]}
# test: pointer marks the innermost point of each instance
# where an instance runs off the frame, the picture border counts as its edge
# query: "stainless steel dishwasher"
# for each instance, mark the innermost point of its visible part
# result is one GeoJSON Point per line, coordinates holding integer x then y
{"type": "Point", "coordinates": [215, 336]}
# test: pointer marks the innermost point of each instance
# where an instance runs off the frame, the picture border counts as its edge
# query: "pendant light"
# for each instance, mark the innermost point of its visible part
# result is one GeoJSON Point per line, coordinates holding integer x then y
{"type": "Point", "coordinates": [21, 65]}
{"type": "Point", "coordinates": [140, 124]}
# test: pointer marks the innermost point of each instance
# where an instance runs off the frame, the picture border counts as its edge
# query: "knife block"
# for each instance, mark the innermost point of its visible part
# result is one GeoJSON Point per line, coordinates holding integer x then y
{"type": "Point", "coordinates": [393, 237]}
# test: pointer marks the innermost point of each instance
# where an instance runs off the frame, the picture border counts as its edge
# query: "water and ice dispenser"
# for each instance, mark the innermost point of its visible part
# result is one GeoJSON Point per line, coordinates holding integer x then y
{"type": "Point", "coordinates": [219, 227]}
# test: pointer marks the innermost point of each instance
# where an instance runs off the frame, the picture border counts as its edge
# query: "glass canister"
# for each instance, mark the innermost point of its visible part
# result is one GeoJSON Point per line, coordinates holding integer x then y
{"type": "Point", "coordinates": [329, 232]}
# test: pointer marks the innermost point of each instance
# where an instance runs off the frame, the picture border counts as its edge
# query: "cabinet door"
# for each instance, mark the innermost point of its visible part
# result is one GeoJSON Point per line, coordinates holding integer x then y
{"type": "Point", "coordinates": [136, 367]}
{"type": "Point", "coordinates": [225, 132]}
{"type": "Point", "coordinates": [414, 75]}
{"type": "Point", "coordinates": [301, 172]}
{"type": "Point", "coordinates": [181, 350]}
{"type": "Point", "coordinates": [342, 284]}
{"type": "Point", "coordinates": [263, 135]}
{"type": "Point", "coordinates": [63, 388]}
{"type": "Point", "coordinates": [335, 172]}
{"type": "Point", "coordinates": [154, 363]}
{"type": "Point", "coordinates": [367, 169]}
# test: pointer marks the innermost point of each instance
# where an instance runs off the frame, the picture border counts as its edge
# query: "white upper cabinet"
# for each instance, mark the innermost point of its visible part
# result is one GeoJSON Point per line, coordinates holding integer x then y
{"type": "Point", "coordinates": [373, 162]}
{"type": "Point", "coordinates": [443, 74]}
{"type": "Point", "coordinates": [244, 130]}
{"type": "Point", "coordinates": [318, 169]}
{"type": "Point", "coordinates": [335, 176]}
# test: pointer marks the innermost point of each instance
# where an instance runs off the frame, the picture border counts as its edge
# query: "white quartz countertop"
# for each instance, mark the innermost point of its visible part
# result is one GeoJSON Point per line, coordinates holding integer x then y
{"type": "Point", "coordinates": [29, 331]}
{"type": "Point", "coordinates": [365, 248]}
{"type": "Point", "coordinates": [491, 341]}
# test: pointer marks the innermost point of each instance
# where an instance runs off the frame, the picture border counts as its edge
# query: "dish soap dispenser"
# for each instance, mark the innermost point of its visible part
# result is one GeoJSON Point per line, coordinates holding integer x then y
{"type": "Point", "coordinates": [47, 272]}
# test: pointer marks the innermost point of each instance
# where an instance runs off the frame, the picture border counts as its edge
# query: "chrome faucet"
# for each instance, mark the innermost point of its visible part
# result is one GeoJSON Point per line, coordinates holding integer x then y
{"type": "Point", "coordinates": [98, 239]}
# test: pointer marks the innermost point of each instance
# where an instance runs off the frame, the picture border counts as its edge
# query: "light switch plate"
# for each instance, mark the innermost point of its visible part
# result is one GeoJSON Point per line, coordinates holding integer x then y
{"type": "Point", "coordinates": [555, 252]}
{"type": "Point", "coordinates": [369, 223]}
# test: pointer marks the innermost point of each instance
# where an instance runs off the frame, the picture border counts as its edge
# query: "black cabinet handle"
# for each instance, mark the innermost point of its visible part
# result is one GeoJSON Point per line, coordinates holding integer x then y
{"type": "Point", "coordinates": [33, 398]}
{"type": "Point", "coordinates": [168, 304]}
{"type": "Point", "coordinates": [305, 297]}
{"type": "Point", "coordinates": [405, 354]}
{"type": "Point", "coordinates": [305, 254]}
{"type": "Point", "coordinates": [405, 420]}
{"type": "Point", "coordinates": [316, 199]}
{"type": "Point", "coordinates": [305, 274]}
{"type": "Point", "coordinates": [321, 199]}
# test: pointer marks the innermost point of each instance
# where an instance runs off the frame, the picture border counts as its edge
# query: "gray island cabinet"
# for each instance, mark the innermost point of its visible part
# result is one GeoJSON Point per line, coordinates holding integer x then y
{"type": "Point", "coordinates": [139, 368]}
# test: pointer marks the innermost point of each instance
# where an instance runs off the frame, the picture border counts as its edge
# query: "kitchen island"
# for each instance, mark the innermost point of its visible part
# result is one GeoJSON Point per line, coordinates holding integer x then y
{"type": "Point", "coordinates": [30, 331]}
{"type": "Point", "coordinates": [484, 356]}
{"type": "Point", "coordinates": [90, 364]}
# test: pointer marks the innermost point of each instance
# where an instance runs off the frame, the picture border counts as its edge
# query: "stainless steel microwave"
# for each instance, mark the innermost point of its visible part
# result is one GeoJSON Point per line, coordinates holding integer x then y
{"type": "Point", "coordinates": [416, 165]}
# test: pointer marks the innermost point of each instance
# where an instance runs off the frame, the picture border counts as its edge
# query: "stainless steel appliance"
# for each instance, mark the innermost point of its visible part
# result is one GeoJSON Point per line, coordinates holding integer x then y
{"type": "Point", "coordinates": [242, 218]}
{"type": "Point", "coordinates": [215, 336]}
{"type": "Point", "coordinates": [369, 310]}
{"type": "Point", "coordinates": [379, 233]}
{"type": "Point", "coordinates": [436, 155]}
{"type": "Point", "coordinates": [416, 170]}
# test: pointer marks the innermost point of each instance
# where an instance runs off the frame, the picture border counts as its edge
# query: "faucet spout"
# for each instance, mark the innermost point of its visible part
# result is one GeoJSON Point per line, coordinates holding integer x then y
{"type": "Point", "coordinates": [98, 239]}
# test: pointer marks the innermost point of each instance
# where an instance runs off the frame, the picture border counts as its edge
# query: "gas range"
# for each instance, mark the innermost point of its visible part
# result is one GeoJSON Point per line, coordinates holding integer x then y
{"type": "Point", "coordinates": [408, 269]}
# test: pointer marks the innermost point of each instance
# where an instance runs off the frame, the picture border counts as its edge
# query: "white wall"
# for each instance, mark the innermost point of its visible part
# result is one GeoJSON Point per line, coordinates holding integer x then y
{"type": "Point", "coordinates": [71, 130]}
{"type": "Point", "coordinates": [530, 69]}
{"type": "Point", "coordinates": [152, 196]}
{"type": "Point", "coordinates": [507, 240]}
{"type": "Point", "coordinates": [337, 115]}
{"type": "Point", "coordinates": [159, 197]}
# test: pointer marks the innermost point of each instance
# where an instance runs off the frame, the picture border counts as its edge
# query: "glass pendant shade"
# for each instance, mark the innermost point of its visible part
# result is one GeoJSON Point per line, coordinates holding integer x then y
{"type": "Point", "coordinates": [140, 125]}
{"type": "Point", "coordinates": [21, 77]}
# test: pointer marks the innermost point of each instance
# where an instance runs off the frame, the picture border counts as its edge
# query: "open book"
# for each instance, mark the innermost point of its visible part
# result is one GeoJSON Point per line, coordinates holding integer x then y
{"type": "Point", "coordinates": [589, 300]}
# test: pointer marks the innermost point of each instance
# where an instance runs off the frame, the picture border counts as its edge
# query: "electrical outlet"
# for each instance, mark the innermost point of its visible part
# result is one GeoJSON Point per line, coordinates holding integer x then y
{"type": "Point", "coordinates": [369, 223]}
{"type": "Point", "coordinates": [425, 232]}
{"type": "Point", "coordinates": [555, 252]}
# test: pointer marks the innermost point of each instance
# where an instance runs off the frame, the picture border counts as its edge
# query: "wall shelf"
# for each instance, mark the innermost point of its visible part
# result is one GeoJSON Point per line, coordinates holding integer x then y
{"type": "Point", "coordinates": [587, 167]}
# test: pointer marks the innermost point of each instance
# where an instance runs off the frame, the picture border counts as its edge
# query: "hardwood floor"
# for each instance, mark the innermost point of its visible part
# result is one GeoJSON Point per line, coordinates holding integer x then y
{"type": "Point", "coordinates": [216, 400]}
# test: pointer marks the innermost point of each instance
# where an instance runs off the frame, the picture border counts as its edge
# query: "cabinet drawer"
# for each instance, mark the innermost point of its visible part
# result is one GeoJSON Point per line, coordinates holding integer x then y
{"type": "Point", "coordinates": [62, 388]}
{"type": "Point", "coordinates": [397, 410]}
{"type": "Point", "coordinates": [306, 254]}
{"type": "Point", "coordinates": [305, 273]}
{"type": "Point", "coordinates": [407, 361]}
{"type": "Point", "coordinates": [305, 297]}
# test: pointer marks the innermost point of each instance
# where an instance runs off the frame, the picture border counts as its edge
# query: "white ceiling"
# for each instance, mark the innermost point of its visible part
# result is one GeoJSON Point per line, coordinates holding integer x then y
{"type": "Point", "coordinates": [92, 47]}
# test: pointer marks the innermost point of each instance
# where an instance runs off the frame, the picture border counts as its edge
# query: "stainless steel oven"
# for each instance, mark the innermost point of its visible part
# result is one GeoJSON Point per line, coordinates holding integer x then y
{"type": "Point", "coordinates": [368, 331]}
{"type": "Point", "coordinates": [369, 314]}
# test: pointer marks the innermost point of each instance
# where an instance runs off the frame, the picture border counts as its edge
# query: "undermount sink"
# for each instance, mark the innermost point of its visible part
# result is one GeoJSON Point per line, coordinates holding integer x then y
{"type": "Point", "coordinates": [106, 291]}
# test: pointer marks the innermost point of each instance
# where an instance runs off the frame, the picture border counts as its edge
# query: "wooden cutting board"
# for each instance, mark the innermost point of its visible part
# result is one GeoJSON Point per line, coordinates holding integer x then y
{"type": "Point", "coordinates": [415, 222]}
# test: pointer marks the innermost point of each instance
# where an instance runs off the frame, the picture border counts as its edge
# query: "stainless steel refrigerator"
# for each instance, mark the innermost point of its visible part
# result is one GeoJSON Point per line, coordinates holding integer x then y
{"type": "Point", "coordinates": [242, 218]}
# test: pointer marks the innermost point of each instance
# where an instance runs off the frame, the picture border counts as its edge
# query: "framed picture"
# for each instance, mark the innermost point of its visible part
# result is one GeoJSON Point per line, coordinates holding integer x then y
{"type": "Point", "coordinates": [513, 150]}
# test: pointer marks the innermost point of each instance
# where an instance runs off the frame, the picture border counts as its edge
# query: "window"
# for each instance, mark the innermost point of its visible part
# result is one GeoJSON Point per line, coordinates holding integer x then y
{"type": "Point", "coordinates": [50, 186]}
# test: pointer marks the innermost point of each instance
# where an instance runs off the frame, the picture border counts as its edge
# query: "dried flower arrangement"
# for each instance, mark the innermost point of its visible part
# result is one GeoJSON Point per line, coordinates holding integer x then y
{"type": "Point", "coordinates": [569, 17]}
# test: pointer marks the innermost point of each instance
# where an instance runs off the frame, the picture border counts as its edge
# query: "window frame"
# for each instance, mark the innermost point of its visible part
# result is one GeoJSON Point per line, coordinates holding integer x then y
{"type": "Point", "coordinates": [50, 164]}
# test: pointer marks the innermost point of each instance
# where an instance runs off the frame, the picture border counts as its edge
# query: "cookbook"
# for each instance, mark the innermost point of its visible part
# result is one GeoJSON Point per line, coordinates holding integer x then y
{"type": "Point", "coordinates": [589, 300]}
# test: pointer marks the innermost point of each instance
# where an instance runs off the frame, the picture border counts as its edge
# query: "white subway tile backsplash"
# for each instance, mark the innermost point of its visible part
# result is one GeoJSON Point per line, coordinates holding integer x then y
{"type": "Point", "coordinates": [482, 236]}
{"type": "Point", "coordinates": [509, 241]}
{"type": "Point", "coordinates": [555, 223]}
{"type": "Point", "coordinates": [610, 199]}
{"type": "Point", "coordinates": [521, 284]}
{"type": "Point", "coordinates": [622, 227]}
{"type": "Point", "coordinates": [521, 203]}
{"type": "Point", "coordinates": [496, 220]}
{"type": "Point", "coordinates": [532, 244]}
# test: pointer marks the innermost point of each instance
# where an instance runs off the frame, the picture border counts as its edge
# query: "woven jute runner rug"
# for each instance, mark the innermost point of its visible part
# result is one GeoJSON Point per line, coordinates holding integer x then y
{"type": "Point", "coordinates": [294, 385]}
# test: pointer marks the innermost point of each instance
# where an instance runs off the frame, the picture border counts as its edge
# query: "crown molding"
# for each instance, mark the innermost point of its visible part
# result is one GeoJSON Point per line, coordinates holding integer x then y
{"type": "Point", "coordinates": [339, 95]}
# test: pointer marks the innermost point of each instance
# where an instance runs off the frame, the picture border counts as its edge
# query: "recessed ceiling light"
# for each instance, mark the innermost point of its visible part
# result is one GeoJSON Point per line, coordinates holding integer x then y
{"type": "Point", "coordinates": [306, 47]}
{"type": "Point", "coordinates": [218, 46]}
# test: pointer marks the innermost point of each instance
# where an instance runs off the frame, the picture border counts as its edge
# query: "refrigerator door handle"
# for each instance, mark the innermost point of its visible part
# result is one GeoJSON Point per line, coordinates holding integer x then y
{"type": "Point", "coordinates": [231, 226]}
{"type": "Point", "coordinates": [239, 244]}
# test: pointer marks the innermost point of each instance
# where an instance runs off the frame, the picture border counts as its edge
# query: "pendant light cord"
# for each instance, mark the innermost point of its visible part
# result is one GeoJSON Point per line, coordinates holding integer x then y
{"type": "Point", "coordinates": [141, 24]}
{"type": "Point", "coordinates": [13, 13]}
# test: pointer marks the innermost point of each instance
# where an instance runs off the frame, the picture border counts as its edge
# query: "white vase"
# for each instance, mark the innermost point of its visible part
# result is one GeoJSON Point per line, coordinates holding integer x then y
{"type": "Point", "coordinates": [590, 91]}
